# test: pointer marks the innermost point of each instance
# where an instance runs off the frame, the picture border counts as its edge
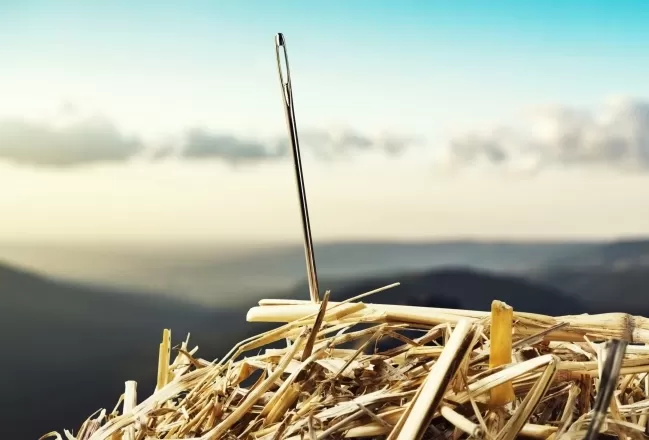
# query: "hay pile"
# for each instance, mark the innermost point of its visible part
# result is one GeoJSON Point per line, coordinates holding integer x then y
{"type": "Point", "coordinates": [463, 374]}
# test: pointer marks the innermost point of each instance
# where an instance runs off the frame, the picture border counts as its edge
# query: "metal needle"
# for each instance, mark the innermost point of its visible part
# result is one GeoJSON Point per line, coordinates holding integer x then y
{"type": "Point", "coordinates": [289, 109]}
{"type": "Point", "coordinates": [607, 384]}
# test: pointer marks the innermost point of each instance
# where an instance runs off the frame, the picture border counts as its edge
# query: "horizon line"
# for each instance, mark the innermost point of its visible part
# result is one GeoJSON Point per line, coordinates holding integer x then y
{"type": "Point", "coordinates": [459, 239]}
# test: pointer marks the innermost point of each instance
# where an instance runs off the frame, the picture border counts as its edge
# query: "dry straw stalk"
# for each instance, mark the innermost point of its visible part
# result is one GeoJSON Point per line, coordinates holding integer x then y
{"type": "Point", "coordinates": [453, 374]}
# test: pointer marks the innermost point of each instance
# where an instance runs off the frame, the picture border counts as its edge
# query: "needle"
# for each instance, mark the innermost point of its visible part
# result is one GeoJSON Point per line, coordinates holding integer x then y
{"type": "Point", "coordinates": [289, 109]}
{"type": "Point", "coordinates": [607, 384]}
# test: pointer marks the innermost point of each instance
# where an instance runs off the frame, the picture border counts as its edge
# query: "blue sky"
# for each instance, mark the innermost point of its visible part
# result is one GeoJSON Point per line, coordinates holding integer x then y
{"type": "Point", "coordinates": [447, 59]}
{"type": "Point", "coordinates": [430, 70]}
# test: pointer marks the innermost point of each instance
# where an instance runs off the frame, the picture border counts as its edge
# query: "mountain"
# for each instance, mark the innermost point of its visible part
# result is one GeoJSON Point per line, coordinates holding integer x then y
{"type": "Point", "coordinates": [215, 275]}
{"type": "Point", "coordinates": [458, 288]}
{"type": "Point", "coordinates": [603, 289]}
{"type": "Point", "coordinates": [608, 277]}
{"type": "Point", "coordinates": [617, 255]}
{"type": "Point", "coordinates": [68, 349]}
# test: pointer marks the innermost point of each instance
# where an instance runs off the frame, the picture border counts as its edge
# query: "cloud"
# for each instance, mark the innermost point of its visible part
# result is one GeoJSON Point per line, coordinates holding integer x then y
{"type": "Point", "coordinates": [83, 142]}
{"type": "Point", "coordinates": [323, 144]}
{"type": "Point", "coordinates": [201, 144]}
{"type": "Point", "coordinates": [72, 139]}
{"type": "Point", "coordinates": [339, 144]}
{"type": "Point", "coordinates": [614, 136]}
{"type": "Point", "coordinates": [344, 142]}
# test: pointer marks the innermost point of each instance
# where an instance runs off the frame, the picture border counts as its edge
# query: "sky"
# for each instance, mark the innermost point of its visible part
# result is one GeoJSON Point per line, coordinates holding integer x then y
{"type": "Point", "coordinates": [418, 119]}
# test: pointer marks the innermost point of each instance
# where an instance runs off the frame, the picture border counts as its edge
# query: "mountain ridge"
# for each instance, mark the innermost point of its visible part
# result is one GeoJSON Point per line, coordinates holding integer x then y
{"type": "Point", "coordinates": [82, 342]}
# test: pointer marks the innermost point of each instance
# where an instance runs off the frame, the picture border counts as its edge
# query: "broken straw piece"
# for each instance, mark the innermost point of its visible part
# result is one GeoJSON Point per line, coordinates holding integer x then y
{"type": "Point", "coordinates": [163, 359]}
{"type": "Point", "coordinates": [500, 349]}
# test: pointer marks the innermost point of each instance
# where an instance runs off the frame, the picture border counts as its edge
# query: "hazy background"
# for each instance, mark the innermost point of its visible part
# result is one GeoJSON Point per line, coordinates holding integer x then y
{"type": "Point", "coordinates": [470, 150]}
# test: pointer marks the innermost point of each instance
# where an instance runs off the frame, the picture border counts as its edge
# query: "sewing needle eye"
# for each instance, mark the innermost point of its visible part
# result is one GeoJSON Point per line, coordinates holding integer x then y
{"type": "Point", "coordinates": [289, 110]}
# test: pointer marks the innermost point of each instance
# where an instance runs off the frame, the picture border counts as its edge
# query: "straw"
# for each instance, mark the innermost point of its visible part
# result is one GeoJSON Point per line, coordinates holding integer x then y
{"type": "Point", "coordinates": [334, 379]}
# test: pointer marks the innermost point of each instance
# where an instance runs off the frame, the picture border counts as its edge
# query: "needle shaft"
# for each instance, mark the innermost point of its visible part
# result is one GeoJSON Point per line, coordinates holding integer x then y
{"type": "Point", "coordinates": [289, 110]}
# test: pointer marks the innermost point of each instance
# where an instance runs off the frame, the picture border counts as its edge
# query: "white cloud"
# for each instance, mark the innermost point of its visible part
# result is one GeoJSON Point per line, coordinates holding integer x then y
{"type": "Point", "coordinates": [327, 145]}
{"type": "Point", "coordinates": [71, 138]}
{"type": "Point", "coordinates": [337, 143]}
{"type": "Point", "coordinates": [614, 136]}
{"type": "Point", "coordinates": [87, 141]}
{"type": "Point", "coordinates": [201, 144]}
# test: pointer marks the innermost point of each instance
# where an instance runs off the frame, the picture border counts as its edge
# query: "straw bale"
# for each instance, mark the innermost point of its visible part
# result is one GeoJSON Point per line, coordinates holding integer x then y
{"type": "Point", "coordinates": [334, 380]}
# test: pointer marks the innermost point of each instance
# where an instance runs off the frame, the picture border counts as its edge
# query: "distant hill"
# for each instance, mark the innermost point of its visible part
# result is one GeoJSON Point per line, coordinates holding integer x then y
{"type": "Point", "coordinates": [455, 288]}
{"type": "Point", "coordinates": [80, 343]}
{"type": "Point", "coordinates": [216, 275]}
{"type": "Point", "coordinates": [603, 289]}
{"type": "Point", "coordinates": [622, 254]}
{"type": "Point", "coordinates": [67, 349]}
{"type": "Point", "coordinates": [458, 288]}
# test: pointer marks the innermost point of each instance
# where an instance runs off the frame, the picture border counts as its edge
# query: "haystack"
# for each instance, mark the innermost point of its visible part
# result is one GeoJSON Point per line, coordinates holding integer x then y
{"type": "Point", "coordinates": [497, 375]}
